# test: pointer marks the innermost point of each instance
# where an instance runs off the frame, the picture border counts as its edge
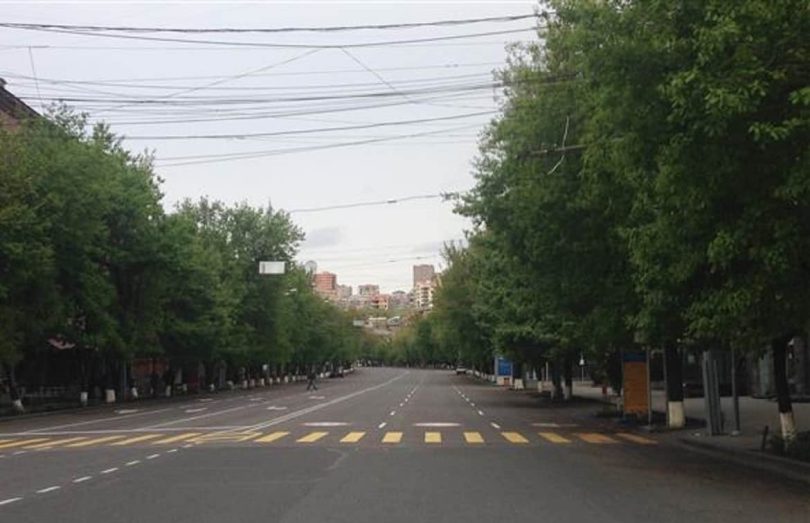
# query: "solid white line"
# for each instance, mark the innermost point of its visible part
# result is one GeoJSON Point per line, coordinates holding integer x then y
{"type": "Point", "coordinates": [133, 462]}
{"type": "Point", "coordinates": [49, 489]}
{"type": "Point", "coordinates": [152, 456]}
{"type": "Point", "coordinates": [192, 418]}
{"type": "Point", "coordinates": [81, 479]}
{"type": "Point", "coordinates": [381, 425]}
{"type": "Point", "coordinates": [480, 413]}
{"type": "Point", "coordinates": [100, 420]}
{"type": "Point", "coordinates": [9, 500]}
{"type": "Point", "coordinates": [495, 425]}
{"type": "Point", "coordinates": [108, 471]}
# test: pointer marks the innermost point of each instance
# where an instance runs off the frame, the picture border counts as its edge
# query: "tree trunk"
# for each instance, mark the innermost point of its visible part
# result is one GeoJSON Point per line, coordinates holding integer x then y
{"type": "Point", "coordinates": [674, 374]}
{"type": "Point", "coordinates": [557, 391]}
{"type": "Point", "coordinates": [569, 377]}
{"type": "Point", "coordinates": [788, 423]}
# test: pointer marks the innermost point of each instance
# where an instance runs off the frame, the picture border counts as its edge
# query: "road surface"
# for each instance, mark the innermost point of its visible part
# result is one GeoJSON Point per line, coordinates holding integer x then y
{"type": "Point", "coordinates": [381, 445]}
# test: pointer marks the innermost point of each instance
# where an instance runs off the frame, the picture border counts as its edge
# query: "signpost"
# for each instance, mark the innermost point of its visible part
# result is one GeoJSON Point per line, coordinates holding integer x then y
{"type": "Point", "coordinates": [635, 383]}
{"type": "Point", "coordinates": [503, 371]}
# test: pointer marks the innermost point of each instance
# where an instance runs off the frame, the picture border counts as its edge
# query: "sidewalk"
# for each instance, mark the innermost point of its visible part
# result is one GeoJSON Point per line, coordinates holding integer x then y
{"type": "Point", "coordinates": [755, 414]}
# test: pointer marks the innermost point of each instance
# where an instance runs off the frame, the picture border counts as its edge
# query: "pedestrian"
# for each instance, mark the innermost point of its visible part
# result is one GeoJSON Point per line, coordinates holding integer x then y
{"type": "Point", "coordinates": [311, 380]}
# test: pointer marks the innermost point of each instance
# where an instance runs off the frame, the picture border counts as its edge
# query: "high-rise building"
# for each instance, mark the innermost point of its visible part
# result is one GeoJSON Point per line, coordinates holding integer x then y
{"type": "Point", "coordinates": [325, 284]}
{"type": "Point", "coordinates": [368, 290]}
{"type": "Point", "coordinates": [423, 273]}
{"type": "Point", "coordinates": [423, 295]}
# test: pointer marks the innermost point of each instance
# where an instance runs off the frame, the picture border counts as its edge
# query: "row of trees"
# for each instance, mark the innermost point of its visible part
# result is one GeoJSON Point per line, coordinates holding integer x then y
{"type": "Point", "coordinates": [646, 185]}
{"type": "Point", "coordinates": [91, 265]}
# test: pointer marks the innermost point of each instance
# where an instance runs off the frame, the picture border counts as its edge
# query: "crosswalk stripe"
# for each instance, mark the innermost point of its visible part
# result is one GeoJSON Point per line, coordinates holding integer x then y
{"type": "Point", "coordinates": [553, 437]}
{"type": "Point", "coordinates": [21, 442]}
{"type": "Point", "coordinates": [433, 437]}
{"type": "Point", "coordinates": [473, 437]}
{"type": "Point", "coordinates": [352, 437]}
{"type": "Point", "coordinates": [636, 439]}
{"type": "Point", "coordinates": [270, 438]}
{"type": "Point", "coordinates": [595, 437]}
{"type": "Point", "coordinates": [311, 437]}
{"type": "Point", "coordinates": [87, 443]}
{"type": "Point", "coordinates": [392, 437]}
{"type": "Point", "coordinates": [136, 439]}
{"type": "Point", "coordinates": [51, 443]}
{"type": "Point", "coordinates": [179, 437]}
{"type": "Point", "coordinates": [514, 437]}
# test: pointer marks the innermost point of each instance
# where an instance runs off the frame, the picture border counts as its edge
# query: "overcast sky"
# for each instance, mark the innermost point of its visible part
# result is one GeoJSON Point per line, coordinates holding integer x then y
{"type": "Point", "coordinates": [149, 90]}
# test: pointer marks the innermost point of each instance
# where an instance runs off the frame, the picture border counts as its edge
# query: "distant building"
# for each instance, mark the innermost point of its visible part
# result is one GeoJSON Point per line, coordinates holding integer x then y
{"type": "Point", "coordinates": [423, 295]}
{"type": "Point", "coordinates": [325, 284]}
{"type": "Point", "coordinates": [380, 302]}
{"type": "Point", "coordinates": [368, 290]}
{"type": "Point", "coordinates": [423, 273]}
{"type": "Point", "coordinates": [344, 292]}
{"type": "Point", "coordinates": [399, 299]}
{"type": "Point", "coordinates": [13, 110]}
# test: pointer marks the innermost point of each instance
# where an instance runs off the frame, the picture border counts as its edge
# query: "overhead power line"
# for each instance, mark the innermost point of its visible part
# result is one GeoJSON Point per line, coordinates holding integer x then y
{"type": "Point", "coordinates": [279, 44]}
{"type": "Point", "coordinates": [390, 201]}
{"type": "Point", "coordinates": [321, 29]}
{"type": "Point", "coordinates": [309, 131]}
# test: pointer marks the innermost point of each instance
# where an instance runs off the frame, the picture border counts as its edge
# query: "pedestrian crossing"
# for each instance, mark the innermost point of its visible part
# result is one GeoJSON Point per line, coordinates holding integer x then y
{"type": "Point", "coordinates": [429, 438]}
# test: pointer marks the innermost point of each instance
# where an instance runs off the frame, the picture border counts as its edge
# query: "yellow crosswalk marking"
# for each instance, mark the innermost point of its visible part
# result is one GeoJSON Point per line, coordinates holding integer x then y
{"type": "Point", "coordinates": [270, 438]}
{"type": "Point", "coordinates": [87, 443]}
{"type": "Point", "coordinates": [311, 437]}
{"type": "Point", "coordinates": [352, 437]}
{"type": "Point", "coordinates": [553, 437]}
{"type": "Point", "coordinates": [21, 442]}
{"type": "Point", "coordinates": [175, 439]}
{"type": "Point", "coordinates": [514, 437]}
{"type": "Point", "coordinates": [473, 437]}
{"type": "Point", "coordinates": [54, 442]}
{"type": "Point", "coordinates": [637, 439]}
{"type": "Point", "coordinates": [392, 437]}
{"type": "Point", "coordinates": [433, 437]}
{"type": "Point", "coordinates": [137, 439]}
{"type": "Point", "coordinates": [595, 437]}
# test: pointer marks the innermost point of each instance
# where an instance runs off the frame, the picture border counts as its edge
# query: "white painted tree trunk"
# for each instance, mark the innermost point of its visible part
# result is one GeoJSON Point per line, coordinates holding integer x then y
{"type": "Point", "coordinates": [17, 405]}
{"type": "Point", "coordinates": [518, 384]}
{"type": "Point", "coordinates": [676, 419]}
{"type": "Point", "coordinates": [134, 392]}
{"type": "Point", "coordinates": [168, 391]}
{"type": "Point", "coordinates": [109, 395]}
{"type": "Point", "coordinates": [83, 398]}
{"type": "Point", "coordinates": [788, 423]}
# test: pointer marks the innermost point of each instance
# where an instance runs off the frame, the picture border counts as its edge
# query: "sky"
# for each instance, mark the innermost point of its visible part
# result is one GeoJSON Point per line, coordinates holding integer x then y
{"type": "Point", "coordinates": [409, 112]}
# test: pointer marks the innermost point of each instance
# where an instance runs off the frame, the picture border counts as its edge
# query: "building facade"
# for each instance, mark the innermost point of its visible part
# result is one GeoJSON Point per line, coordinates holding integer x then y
{"type": "Point", "coordinates": [423, 273]}
{"type": "Point", "coordinates": [13, 110]}
{"type": "Point", "coordinates": [325, 284]}
{"type": "Point", "coordinates": [368, 290]}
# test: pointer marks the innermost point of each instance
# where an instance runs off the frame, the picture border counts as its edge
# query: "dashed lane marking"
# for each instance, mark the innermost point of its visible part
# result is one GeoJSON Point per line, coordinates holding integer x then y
{"type": "Point", "coordinates": [179, 437]}
{"type": "Point", "coordinates": [495, 426]}
{"type": "Point", "coordinates": [273, 436]}
{"type": "Point", "coordinates": [553, 437]}
{"type": "Point", "coordinates": [473, 437]}
{"type": "Point", "coordinates": [392, 437]}
{"type": "Point", "coordinates": [136, 439]}
{"type": "Point", "coordinates": [82, 479]}
{"type": "Point", "coordinates": [9, 500]}
{"type": "Point", "coordinates": [595, 437]}
{"type": "Point", "coordinates": [131, 463]}
{"type": "Point", "coordinates": [352, 437]}
{"type": "Point", "coordinates": [109, 470]}
{"type": "Point", "coordinates": [514, 437]}
{"type": "Point", "coordinates": [48, 489]}
{"type": "Point", "coordinates": [636, 439]}
{"type": "Point", "coordinates": [480, 413]}
{"type": "Point", "coordinates": [312, 437]}
{"type": "Point", "coordinates": [392, 413]}
{"type": "Point", "coordinates": [95, 441]}
{"type": "Point", "coordinates": [433, 437]}
{"type": "Point", "coordinates": [152, 456]}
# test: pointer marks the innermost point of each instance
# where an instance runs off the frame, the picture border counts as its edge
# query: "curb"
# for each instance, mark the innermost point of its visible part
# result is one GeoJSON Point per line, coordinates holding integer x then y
{"type": "Point", "coordinates": [787, 468]}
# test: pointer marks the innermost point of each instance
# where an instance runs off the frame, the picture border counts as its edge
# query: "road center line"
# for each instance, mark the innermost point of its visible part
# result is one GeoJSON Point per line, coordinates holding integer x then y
{"type": "Point", "coordinates": [133, 462]}
{"type": "Point", "coordinates": [152, 456]}
{"type": "Point", "coordinates": [382, 425]}
{"type": "Point", "coordinates": [100, 420]}
{"type": "Point", "coordinates": [82, 479]}
{"type": "Point", "coordinates": [49, 489]}
{"type": "Point", "coordinates": [9, 500]}
{"type": "Point", "coordinates": [495, 425]}
{"type": "Point", "coordinates": [109, 471]}
{"type": "Point", "coordinates": [392, 413]}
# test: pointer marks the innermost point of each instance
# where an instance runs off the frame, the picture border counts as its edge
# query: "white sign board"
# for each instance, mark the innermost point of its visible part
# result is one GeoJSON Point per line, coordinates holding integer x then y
{"type": "Point", "coordinates": [271, 267]}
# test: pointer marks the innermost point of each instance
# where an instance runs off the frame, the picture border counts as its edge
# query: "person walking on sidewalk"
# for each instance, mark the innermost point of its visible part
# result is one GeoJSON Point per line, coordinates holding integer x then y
{"type": "Point", "coordinates": [311, 379]}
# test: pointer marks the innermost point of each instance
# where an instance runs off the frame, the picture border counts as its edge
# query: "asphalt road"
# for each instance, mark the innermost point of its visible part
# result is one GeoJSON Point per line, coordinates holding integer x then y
{"type": "Point", "coordinates": [381, 445]}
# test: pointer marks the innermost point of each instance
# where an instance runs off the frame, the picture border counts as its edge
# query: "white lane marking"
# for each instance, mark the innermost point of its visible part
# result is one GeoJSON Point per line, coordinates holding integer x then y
{"type": "Point", "coordinates": [100, 420]}
{"type": "Point", "coordinates": [9, 500]}
{"type": "Point", "coordinates": [170, 451]}
{"type": "Point", "coordinates": [205, 399]}
{"type": "Point", "coordinates": [152, 456]}
{"type": "Point", "coordinates": [19, 452]}
{"type": "Point", "coordinates": [191, 418]}
{"type": "Point", "coordinates": [495, 425]}
{"type": "Point", "coordinates": [439, 424]}
{"type": "Point", "coordinates": [402, 404]}
{"type": "Point", "coordinates": [126, 411]}
{"type": "Point", "coordinates": [325, 424]}
{"type": "Point", "coordinates": [109, 471]}
{"type": "Point", "coordinates": [192, 411]}
{"type": "Point", "coordinates": [392, 413]}
{"type": "Point", "coordinates": [317, 397]}
{"type": "Point", "coordinates": [302, 412]}
{"type": "Point", "coordinates": [381, 425]}
{"type": "Point", "coordinates": [187, 446]}
{"type": "Point", "coordinates": [123, 431]}
{"type": "Point", "coordinates": [48, 489]}
{"type": "Point", "coordinates": [82, 479]}
{"type": "Point", "coordinates": [133, 462]}
{"type": "Point", "coordinates": [472, 404]}
{"type": "Point", "coordinates": [274, 407]}
{"type": "Point", "coordinates": [554, 425]}
{"type": "Point", "coordinates": [480, 413]}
